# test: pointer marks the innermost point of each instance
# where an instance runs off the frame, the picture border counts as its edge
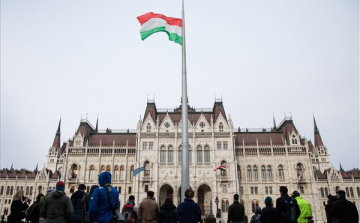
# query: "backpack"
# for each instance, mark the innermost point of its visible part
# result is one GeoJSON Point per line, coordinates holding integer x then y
{"type": "Point", "coordinates": [255, 219]}
{"type": "Point", "coordinates": [128, 213]}
{"type": "Point", "coordinates": [31, 212]}
{"type": "Point", "coordinates": [290, 210]}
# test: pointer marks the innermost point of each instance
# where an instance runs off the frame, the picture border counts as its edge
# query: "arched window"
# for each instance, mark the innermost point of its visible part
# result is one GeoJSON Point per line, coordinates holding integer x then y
{"type": "Point", "coordinates": [351, 192]}
{"type": "Point", "coordinates": [91, 172]}
{"type": "Point", "coordinates": [73, 170]}
{"type": "Point", "coordinates": [39, 189]}
{"type": "Point", "coordinates": [17, 188]}
{"type": "Point", "coordinates": [337, 188]}
{"type": "Point", "coordinates": [223, 172]}
{"type": "Point", "coordinates": [147, 169]}
{"type": "Point", "coordinates": [223, 207]}
{"type": "Point", "coordinates": [170, 154]}
{"type": "Point", "coordinates": [358, 191]}
{"type": "Point", "coordinates": [31, 190]}
{"type": "Point", "coordinates": [27, 190]}
{"type": "Point", "coordinates": [131, 172]}
{"type": "Point", "coordinates": [108, 168]}
{"type": "Point", "coordinates": [221, 127]}
{"type": "Point", "coordinates": [116, 172]}
{"type": "Point", "coordinates": [249, 173]}
{"type": "Point", "coordinates": [102, 169]}
{"type": "Point", "coordinates": [300, 171]}
{"type": "Point", "coordinates": [326, 192]}
{"type": "Point", "coordinates": [322, 192]}
{"type": "Point", "coordinates": [206, 154]}
{"type": "Point", "coordinates": [238, 172]}
{"type": "Point", "coordinates": [254, 204]}
{"type": "Point", "coordinates": [199, 154]}
{"type": "Point", "coordinates": [163, 154]}
{"type": "Point", "coordinates": [8, 190]}
{"type": "Point", "coordinates": [148, 127]}
{"type": "Point", "coordinates": [2, 190]}
{"type": "Point", "coordinates": [255, 170]}
{"type": "Point", "coordinates": [263, 172]}
{"type": "Point", "coordinates": [227, 206]}
{"type": "Point", "coordinates": [12, 190]}
{"type": "Point", "coordinates": [269, 172]}
{"type": "Point", "coordinates": [281, 172]}
{"type": "Point", "coordinates": [122, 175]}
{"type": "Point", "coordinates": [347, 192]}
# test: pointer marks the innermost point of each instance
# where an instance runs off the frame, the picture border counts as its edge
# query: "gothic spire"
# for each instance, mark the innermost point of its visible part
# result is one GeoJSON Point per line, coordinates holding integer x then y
{"type": "Point", "coordinates": [97, 124]}
{"type": "Point", "coordinates": [316, 130]}
{"type": "Point", "coordinates": [274, 127]}
{"type": "Point", "coordinates": [341, 169]}
{"type": "Point", "coordinates": [56, 143]}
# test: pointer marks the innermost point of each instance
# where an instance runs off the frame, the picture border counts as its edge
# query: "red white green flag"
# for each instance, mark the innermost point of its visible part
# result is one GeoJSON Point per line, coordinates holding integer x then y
{"type": "Point", "coordinates": [220, 168]}
{"type": "Point", "coordinates": [152, 23]}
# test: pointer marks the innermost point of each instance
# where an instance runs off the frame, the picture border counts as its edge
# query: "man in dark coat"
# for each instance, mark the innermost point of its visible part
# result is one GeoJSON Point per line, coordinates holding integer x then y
{"type": "Point", "coordinates": [236, 211]}
{"type": "Point", "coordinates": [189, 211]}
{"type": "Point", "coordinates": [281, 205]}
{"type": "Point", "coordinates": [85, 204]}
{"type": "Point", "coordinates": [76, 202]}
{"type": "Point", "coordinates": [268, 214]}
{"type": "Point", "coordinates": [328, 207]}
{"type": "Point", "coordinates": [344, 211]}
{"type": "Point", "coordinates": [57, 207]}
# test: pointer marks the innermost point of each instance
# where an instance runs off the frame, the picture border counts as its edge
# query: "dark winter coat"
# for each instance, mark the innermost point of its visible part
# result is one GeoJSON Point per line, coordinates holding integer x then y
{"type": "Point", "coordinates": [99, 208]}
{"type": "Point", "coordinates": [281, 207]}
{"type": "Point", "coordinates": [345, 211]}
{"type": "Point", "coordinates": [256, 217]}
{"type": "Point", "coordinates": [328, 207]}
{"type": "Point", "coordinates": [76, 202]}
{"type": "Point", "coordinates": [268, 215]}
{"type": "Point", "coordinates": [189, 212]}
{"type": "Point", "coordinates": [168, 214]}
{"type": "Point", "coordinates": [85, 204]}
{"type": "Point", "coordinates": [236, 212]}
{"type": "Point", "coordinates": [17, 211]}
{"type": "Point", "coordinates": [57, 208]}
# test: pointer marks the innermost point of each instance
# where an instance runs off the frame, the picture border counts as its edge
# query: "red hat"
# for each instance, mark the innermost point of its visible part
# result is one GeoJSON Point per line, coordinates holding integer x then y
{"type": "Point", "coordinates": [60, 186]}
{"type": "Point", "coordinates": [60, 183]}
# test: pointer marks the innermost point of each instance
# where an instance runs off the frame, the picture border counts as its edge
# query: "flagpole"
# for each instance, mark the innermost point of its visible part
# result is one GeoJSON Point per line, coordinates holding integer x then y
{"type": "Point", "coordinates": [185, 175]}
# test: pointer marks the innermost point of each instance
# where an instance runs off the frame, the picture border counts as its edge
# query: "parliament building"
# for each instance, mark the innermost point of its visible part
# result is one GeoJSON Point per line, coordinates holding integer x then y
{"type": "Point", "coordinates": [257, 162]}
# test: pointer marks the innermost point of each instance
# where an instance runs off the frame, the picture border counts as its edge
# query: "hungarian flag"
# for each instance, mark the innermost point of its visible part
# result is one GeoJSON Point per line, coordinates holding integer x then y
{"type": "Point", "coordinates": [153, 23]}
{"type": "Point", "coordinates": [220, 168]}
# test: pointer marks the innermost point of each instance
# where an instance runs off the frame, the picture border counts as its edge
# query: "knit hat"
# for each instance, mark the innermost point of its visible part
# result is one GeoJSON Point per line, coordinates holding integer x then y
{"type": "Point", "coordinates": [268, 201]}
{"type": "Point", "coordinates": [60, 186]}
{"type": "Point", "coordinates": [82, 187]}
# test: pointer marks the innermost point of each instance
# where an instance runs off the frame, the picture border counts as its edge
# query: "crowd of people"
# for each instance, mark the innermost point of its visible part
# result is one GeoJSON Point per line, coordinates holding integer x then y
{"type": "Point", "coordinates": [102, 204]}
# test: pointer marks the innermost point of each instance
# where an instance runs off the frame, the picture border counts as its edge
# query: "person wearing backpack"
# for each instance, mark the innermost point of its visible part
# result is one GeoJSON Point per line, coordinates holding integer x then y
{"type": "Point", "coordinates": [344, 211]}
{"type": "Point", "coordinates": [287, 208]}
{"type": "Point", "coordinates": [129, 210]}
{"type": "Point", "coordinates": [85, 205]}
{"type": "Point", "coordinates": [305, 207]}
{"type": "Point", "coordinates": [256, 217]}
{"type": "Point", "coordinates": [100, 205]}
{"type": "Point", "coordinates": [33, 212]}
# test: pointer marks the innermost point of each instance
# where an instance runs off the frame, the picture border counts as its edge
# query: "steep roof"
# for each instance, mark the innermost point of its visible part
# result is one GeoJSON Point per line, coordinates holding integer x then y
{"type": "Point", "coordinates": [263, 138]}
{"type": "Point", "coordinates": [56, 175]}
{"type": "Point", "coordinates": [56, 143]}
{"type": "Point", "coordinates": [287, 127]}
{"type": "Point", "coordinates": [345, 175]}
{"type": "Point", "coordinates": [4, 173]}
{"type": "Point", "coordinates": [219, 108]}
{"type": "Point", "coordinates": [322, 175]}
{"type": "Point", "coordinates": [317, 136]}
{"type": "Point", "coordinates": [311, 146]}
{"type": "Point", "coordinates": [150, 108]}
{"type": "Point", "coordinates": [33, 174]}
{"type": "Point", "coordinates": [13, 174]}
{"type": "Point", "coordinates": [85, 129]}
{"type": "Point", "coordinates": [107, 139]}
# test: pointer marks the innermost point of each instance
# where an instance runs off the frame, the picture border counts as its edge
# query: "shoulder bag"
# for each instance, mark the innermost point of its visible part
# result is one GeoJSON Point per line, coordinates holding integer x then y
{"type": "Point", "coordinates": [118, 217]}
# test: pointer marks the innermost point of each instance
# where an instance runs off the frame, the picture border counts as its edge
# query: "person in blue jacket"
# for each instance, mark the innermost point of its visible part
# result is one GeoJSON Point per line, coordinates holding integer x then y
{"type": "Point", "coordinates": [189, 211]}
{"type": "Point", "coordinates": [99, 208]}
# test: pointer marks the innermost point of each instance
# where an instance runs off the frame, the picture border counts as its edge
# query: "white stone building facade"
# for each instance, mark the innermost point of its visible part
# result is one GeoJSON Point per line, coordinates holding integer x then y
{"type": "Point", "coordinates": [257, 162]}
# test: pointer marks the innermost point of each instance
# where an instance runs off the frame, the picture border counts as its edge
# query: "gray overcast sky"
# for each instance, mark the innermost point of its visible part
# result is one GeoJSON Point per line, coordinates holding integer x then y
{"type": "Point", "coordinates": [68, 58]}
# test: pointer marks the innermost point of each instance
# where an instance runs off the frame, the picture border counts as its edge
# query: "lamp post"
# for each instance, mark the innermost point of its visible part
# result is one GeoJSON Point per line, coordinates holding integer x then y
{"type": "Point", "coordinates": [218, 213]}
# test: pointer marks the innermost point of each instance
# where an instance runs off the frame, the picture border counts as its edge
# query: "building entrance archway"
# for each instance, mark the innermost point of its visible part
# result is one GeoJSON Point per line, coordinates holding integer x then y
{"type": "Point", "coordinates": [165, 192]}
{"type": "Point", "coordinates": [204, 196]}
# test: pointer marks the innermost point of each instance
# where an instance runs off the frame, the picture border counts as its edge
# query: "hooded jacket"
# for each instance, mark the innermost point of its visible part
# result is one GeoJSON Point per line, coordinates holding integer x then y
{"type": "Point", "coordinates": [99, 208]}
{"type": "Point", "coordinates": [76, 201]}
{"type": "Point", "coordinates": [189, 212]}
{"type": "Point", "coordinates": [305, 209]}
{"type": "Point", "coordinates": [57, 208]}
{"type": "Point", "coordinates": [168, 213]}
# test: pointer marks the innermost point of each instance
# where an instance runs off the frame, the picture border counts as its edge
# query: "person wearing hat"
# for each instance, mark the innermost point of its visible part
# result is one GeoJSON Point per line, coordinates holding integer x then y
{"type": "Point", "coordinates": [268, 213]}
{"type": "Point", "coordinates": [76, 202]}
{"type": "Point", "coordinates": [57, 206]}
{"type": "Point", "coordinates": [343, 210]}
{"type": "Point", "coordinates": [305, 207]}
{"type": "Point", "coordinates": [284, 207]}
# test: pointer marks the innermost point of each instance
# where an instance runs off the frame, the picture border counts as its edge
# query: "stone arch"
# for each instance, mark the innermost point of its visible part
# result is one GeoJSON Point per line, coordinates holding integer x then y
{"type": "Point", "coordinates": [204, 197]}
{"type": "Point", "coordinates": [166, 191]}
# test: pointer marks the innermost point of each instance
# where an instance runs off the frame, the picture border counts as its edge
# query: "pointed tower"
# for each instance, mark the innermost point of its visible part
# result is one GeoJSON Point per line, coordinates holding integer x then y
{"type": "Point", "coordinates": [54, 150]}
{"type": "Point", "coordinates": [97, 125]}
{"type": "Point", "coordinates": [274, 124]}
{"type": "Point", "coordinates": [320, 150]}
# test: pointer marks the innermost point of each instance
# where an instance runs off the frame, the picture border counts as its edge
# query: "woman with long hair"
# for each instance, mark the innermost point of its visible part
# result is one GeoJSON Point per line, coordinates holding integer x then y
{"type": "Point", "coordinates": [18, 206]}
{"type": "Point", "coordinates": [168, 212]}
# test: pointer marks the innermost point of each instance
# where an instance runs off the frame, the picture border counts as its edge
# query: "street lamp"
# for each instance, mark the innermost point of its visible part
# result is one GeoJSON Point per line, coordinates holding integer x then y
{"type": "Point", "coordinates": [218, 213]}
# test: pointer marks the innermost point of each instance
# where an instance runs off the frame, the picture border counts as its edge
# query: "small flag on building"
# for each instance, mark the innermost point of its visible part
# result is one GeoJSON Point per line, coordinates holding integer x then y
{"type": "Point", "coordinates": [152, 23]}
{"type": "Point", "coordinates": [300, 175]}
{"type": "Point", "coordinates": [220, 168]}
{"type": "Point", "coordinates": [138, 170]}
